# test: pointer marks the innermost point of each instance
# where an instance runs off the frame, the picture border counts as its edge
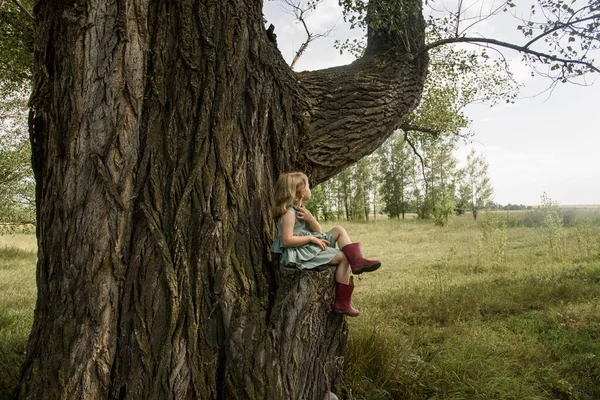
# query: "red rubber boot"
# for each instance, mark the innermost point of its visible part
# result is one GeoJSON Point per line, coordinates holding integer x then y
{"type": "Point", "coordinates": [358, 263]}
{"type": "Point", "coordinates": [343, 293]}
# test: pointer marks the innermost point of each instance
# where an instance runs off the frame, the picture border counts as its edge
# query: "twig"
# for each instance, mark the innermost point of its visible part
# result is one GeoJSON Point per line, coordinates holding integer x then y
{"type": "Point", "coordinates": [300, 14]}
{"type": "Point", "coordinates": [412, 128]}
{"type": "Point", "coordinates": [414, 149]}
{"type": "Point", "coordinates": [23, 9]}
{"type": "Point", "coordinates": [568, 23]}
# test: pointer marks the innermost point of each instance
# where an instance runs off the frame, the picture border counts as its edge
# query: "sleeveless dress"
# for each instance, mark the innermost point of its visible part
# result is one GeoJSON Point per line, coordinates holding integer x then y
{"type": "Point", "coordinates": [307, 256]}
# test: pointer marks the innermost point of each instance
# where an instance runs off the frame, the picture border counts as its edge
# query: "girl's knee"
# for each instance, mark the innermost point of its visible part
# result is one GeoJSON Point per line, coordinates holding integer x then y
{"type": "Point", "coordinates": [338, 229]}
{"type": "Point", "coordinates": [339, 258]}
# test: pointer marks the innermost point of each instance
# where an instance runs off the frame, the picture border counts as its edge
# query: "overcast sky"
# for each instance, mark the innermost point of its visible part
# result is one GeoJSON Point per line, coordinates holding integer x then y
{"type": "Point", "coordinates": [539, 144]}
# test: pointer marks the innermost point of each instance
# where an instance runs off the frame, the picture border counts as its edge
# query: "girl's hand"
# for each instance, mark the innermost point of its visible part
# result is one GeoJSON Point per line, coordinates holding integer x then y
{"type": "Point", "coordinates": [322, 243]}
{"type": "Point", "coordinates": [305, 215]}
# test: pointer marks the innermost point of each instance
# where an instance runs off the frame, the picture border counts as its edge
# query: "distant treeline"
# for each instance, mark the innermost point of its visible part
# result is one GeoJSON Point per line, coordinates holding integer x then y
{"type": "Point", "coordinates": [509, 206]}
{"type": "Point", "coordinates": [402, 178]}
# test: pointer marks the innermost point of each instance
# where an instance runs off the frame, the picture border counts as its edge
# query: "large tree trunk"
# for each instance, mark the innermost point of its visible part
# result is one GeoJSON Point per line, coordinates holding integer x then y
{"type": "Point", "coordinates": [158, 129]}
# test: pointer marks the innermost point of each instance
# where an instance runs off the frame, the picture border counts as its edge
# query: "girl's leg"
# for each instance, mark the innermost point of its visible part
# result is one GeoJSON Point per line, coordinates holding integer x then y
{"type": "Point", "coordinates": [342, 271]}
{"type": "Point", "coordinates": [352, 251]}
{"type": "Point", "coordinates": [341, 236]}
{"type": "Point", "coordinates": [343, 287]}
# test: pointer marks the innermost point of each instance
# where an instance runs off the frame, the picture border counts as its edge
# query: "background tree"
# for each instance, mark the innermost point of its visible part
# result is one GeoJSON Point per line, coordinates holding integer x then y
{"type": "Point", "coordinates": [16, 180]}
{"type": "Point", "coordinates": [362, 178]}
{"type": "Point", "coordinates": [16, 46]}
{"type": "Point", "coordinates": [439, 181]}
{"type": "Point", "coordinates": [475, 186]}
{"type": "Point", "coordinates": [396, 164]}
{"type": "Point", "coordinates": [317, 202]}
{"type": "Point", "coordinates": [16, 58]}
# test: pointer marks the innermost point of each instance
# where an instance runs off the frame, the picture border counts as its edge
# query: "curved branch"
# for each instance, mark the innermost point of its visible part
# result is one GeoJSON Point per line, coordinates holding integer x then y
{"type": "Point", "coordinates": [521, 49]}
{"type": "Point", "coordinates": [351, 110]}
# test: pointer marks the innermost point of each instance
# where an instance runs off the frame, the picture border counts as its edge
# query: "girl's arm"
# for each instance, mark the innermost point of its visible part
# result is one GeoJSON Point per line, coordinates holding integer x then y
{"type": "Point", "coordinates": [287, 232]}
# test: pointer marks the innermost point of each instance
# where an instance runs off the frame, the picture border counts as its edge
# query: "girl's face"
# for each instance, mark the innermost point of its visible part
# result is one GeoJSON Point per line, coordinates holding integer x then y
{"type": "Point", "coordinates": [305, 193]}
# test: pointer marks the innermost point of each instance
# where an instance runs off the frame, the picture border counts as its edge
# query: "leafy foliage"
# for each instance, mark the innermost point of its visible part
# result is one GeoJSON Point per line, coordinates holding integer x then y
{"type": "Point", "coordinates": [16, 54]}
{"type": "Point", "coordinates": [16, 47]}
{"type": "Point", "coordinates": [396, 173]}
{"type": "Point", "coordinates": [17, 187]}
{"type": "Point", "coordinates": [570, 31]}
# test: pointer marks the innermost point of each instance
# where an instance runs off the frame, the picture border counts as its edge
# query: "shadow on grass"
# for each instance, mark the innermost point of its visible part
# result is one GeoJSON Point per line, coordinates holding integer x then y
{"type": "Point", "coordinates": [17, 300]}
{"type": "Point", "coordinates": [12, 257]}
{"type": "Point", "coordinates": [12, 352]}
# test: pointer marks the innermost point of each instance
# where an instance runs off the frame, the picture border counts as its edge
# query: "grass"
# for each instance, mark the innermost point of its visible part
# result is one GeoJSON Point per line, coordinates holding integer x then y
{"type": "Point", "coordinates": [17, 301]}
{"type": "Point", "coordinates": [475, 310]}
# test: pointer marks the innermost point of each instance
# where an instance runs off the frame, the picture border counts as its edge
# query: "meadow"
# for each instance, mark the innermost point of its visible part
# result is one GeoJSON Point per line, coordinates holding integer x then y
{"type": "Point", "coordinates": [17, 302]}
{"type": "Point", "coordinates": [498, 308]}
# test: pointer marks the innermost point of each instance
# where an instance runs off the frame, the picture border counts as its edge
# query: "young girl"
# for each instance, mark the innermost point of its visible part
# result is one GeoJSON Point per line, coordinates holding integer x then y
{"type": "Point", "coordinates": [303, 245]}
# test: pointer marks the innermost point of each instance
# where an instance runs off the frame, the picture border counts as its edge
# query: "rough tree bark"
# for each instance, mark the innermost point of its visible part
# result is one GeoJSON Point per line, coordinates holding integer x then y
{"type": "Point", "coordinates": [158, 129]}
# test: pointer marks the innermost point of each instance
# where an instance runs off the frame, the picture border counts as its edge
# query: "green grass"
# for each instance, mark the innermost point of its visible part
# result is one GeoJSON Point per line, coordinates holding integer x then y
{"type": "Point", "coordinates": [17, 301]}
{"type": "Point", "coordinates": [475, 310]}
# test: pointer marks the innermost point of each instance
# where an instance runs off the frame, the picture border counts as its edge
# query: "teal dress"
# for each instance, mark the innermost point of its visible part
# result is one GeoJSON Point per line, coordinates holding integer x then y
{"type": "Point", "coordinates": [307, 256]}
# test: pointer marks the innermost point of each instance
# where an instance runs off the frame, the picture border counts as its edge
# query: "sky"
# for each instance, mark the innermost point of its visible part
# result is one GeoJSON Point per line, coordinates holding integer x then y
{"type": "Point", "coordinates": [543, 143]}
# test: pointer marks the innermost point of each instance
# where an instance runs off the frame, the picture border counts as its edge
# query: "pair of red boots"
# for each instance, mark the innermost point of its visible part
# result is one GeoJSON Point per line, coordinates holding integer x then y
{"type": "Point", "coordinates": [343, 292]}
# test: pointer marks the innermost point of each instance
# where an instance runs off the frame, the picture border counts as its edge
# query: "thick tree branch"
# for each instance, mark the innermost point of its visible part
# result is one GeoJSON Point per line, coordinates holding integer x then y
{"type": "Point", "coordinates": [521, 49]}
{"type": "Point", "coordinates": [352, 110]}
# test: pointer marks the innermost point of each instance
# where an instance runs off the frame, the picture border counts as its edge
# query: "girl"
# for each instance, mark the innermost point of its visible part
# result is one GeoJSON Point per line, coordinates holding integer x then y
{"type": "Point", "coordinates": [303, 245]}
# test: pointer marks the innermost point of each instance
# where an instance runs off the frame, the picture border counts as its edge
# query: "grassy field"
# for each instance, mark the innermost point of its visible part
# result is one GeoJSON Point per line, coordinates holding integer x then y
{"type": "Point", "coordinates": [17, 301]}
{"type": "Point", "coordinates": [492, 309]}
{"type": "Point", "coordinates": [477, 310]}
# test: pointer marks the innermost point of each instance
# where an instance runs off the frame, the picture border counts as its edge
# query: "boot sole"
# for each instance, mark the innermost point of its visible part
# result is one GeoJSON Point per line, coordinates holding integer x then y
{"type": "Point", "coordinates": [366, 268]}
{"type": "Point", "coordinates": [345, 313]}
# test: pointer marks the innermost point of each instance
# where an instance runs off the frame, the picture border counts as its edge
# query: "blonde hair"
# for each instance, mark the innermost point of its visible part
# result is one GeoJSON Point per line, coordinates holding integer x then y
{"type": "Point", "coordinates": [287, 188]}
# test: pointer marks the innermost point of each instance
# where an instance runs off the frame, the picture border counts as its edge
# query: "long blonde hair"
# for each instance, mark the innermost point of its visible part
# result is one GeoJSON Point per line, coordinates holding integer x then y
{"type": "Point", "coordinates": [287, 188]}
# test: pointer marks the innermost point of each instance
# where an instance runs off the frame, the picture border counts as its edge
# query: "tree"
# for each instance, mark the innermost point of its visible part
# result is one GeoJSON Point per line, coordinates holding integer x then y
{"type": "Point", "coordinates": [439, 181]}
{"type": "Point", "coordinates": [362, 180]}
{"type": "Point", "coordinates": [16, 177]}
{"type": "Point", "coordinates": [16, 46]}
{"type": "Point", "coordinates": [156, 138]}
{"type": "Point", "coordinates": [475, 187]}
{"type": "Point", "coordinates": [158, 130]}
{"type": "Point", "coordinates": [16, 181]}
{"type": "Point", "coordinates": [396, 165]}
